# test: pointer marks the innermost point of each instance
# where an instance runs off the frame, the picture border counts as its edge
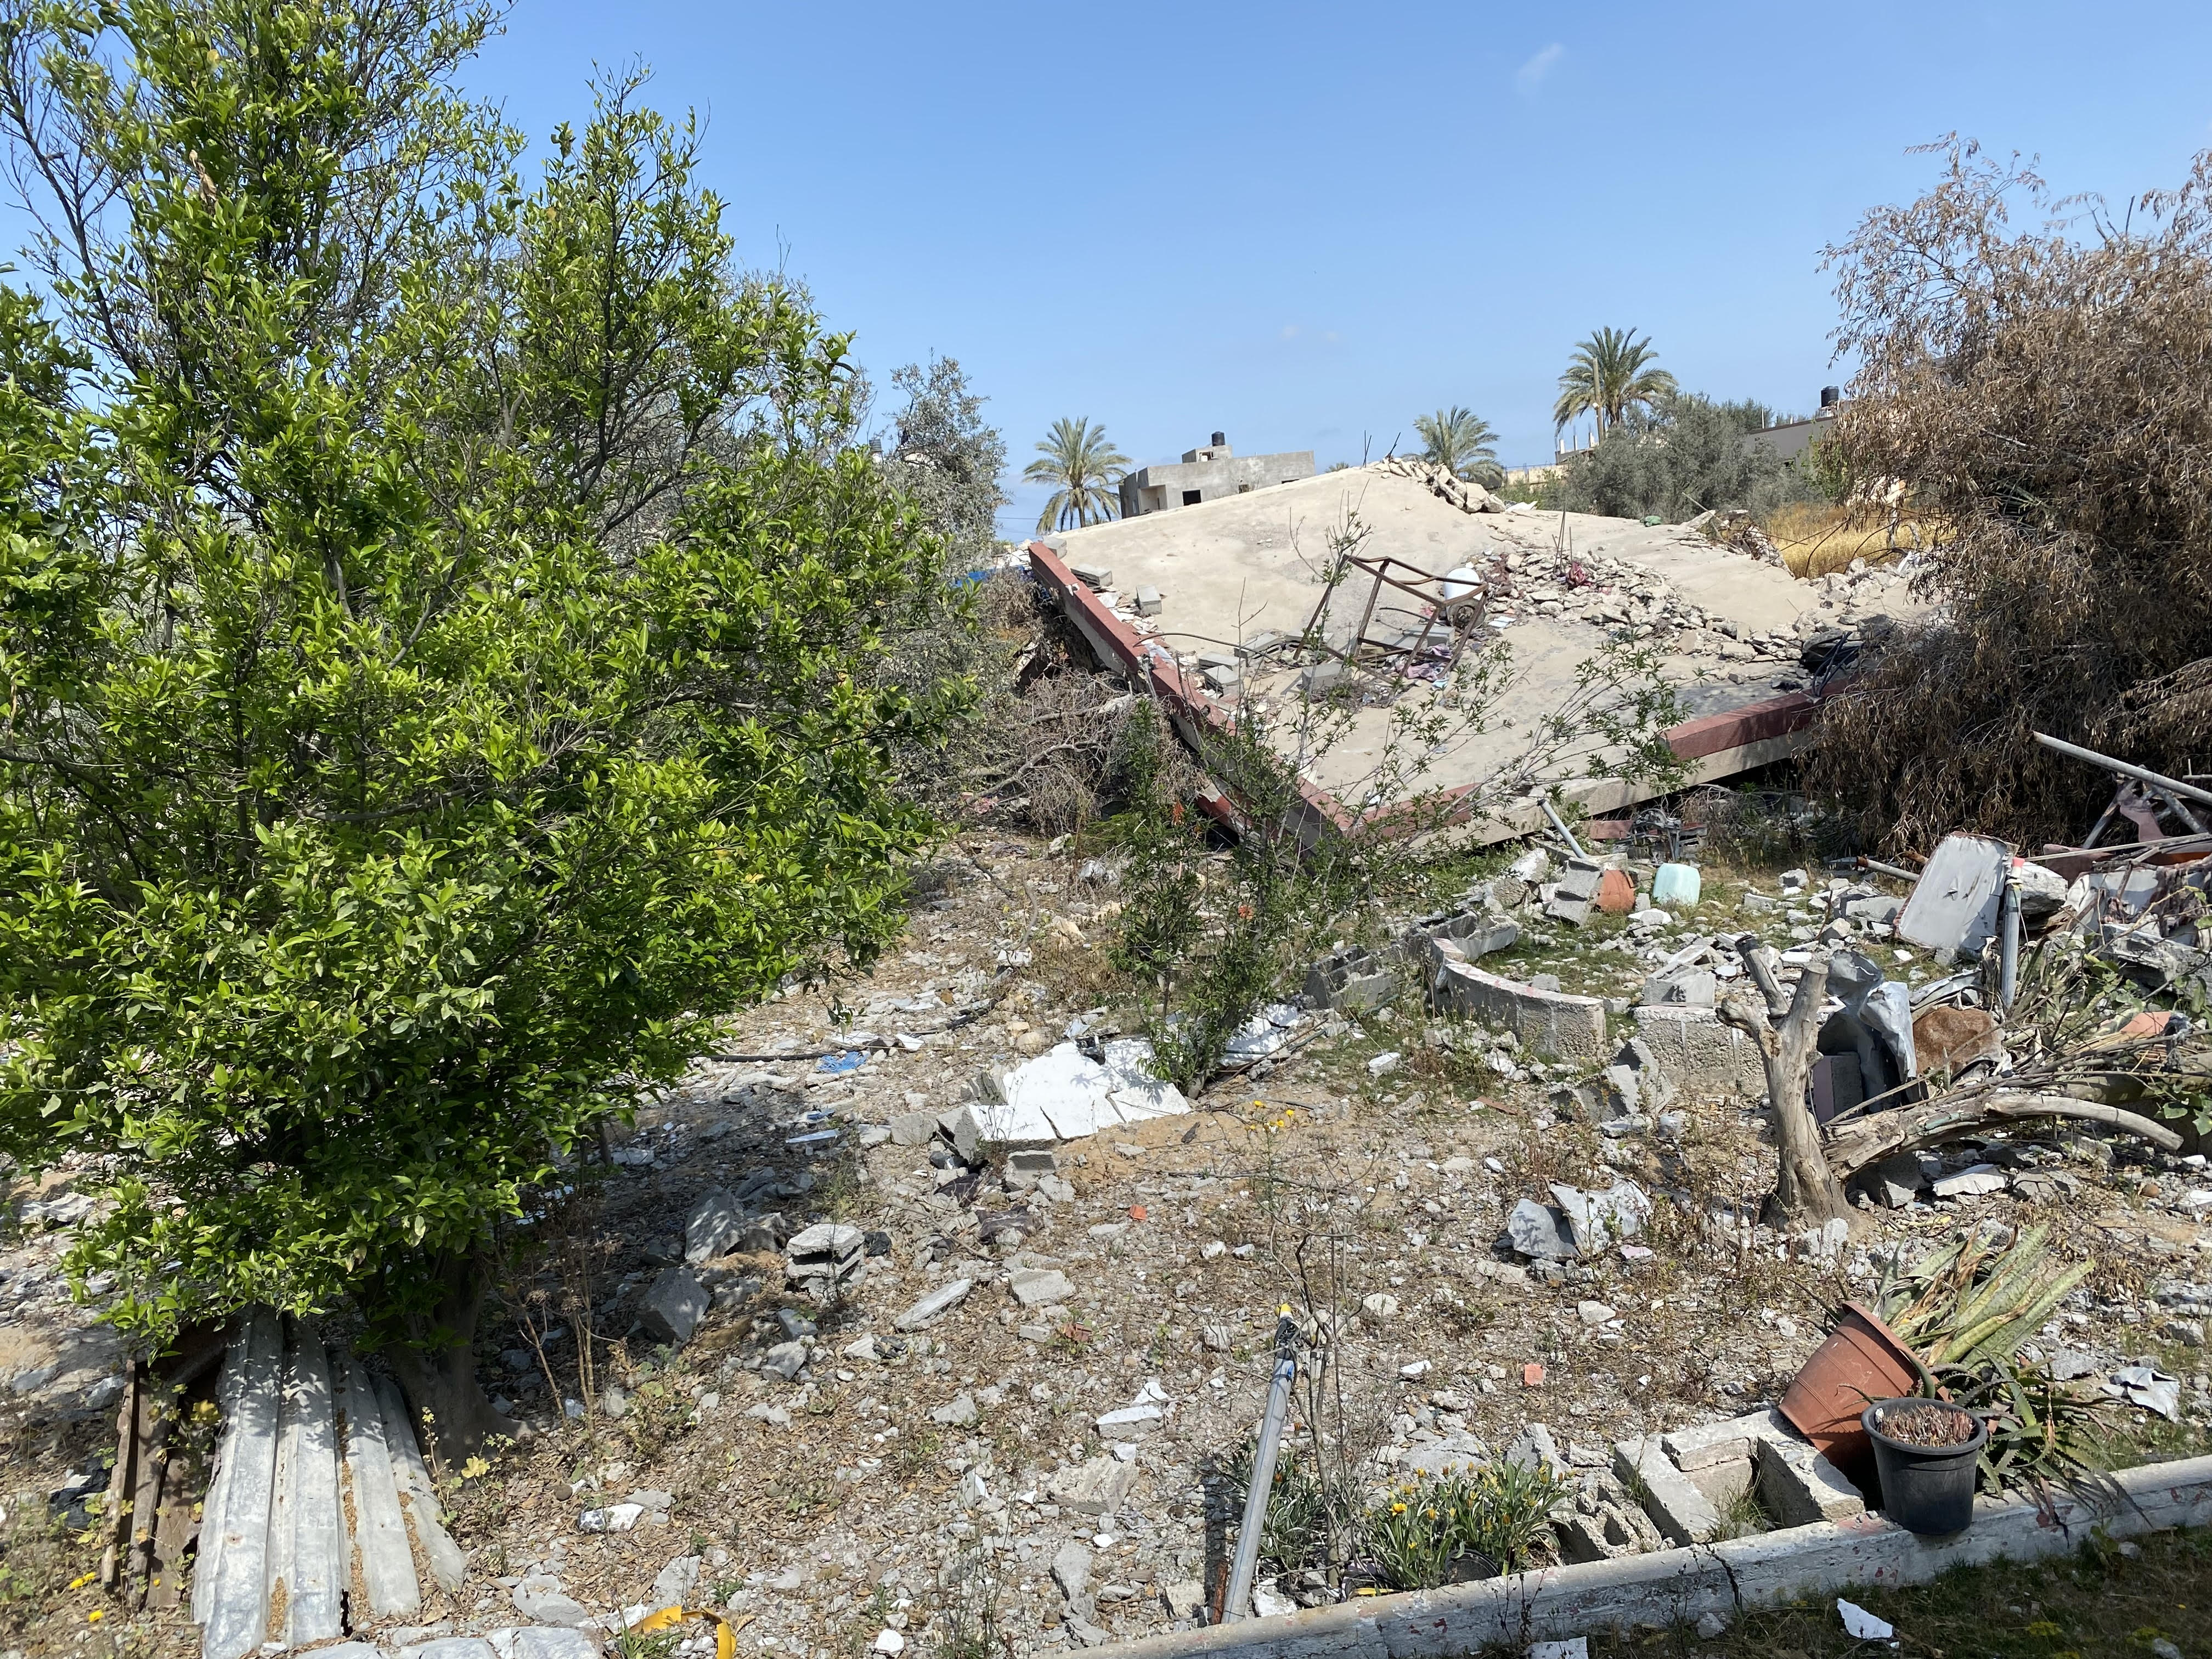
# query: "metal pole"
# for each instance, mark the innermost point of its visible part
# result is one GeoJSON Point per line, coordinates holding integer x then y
{"type": "Point", "coordinates": [1263, 1470]}
{"type": "Point", "coordinates": [2141, 774]}
{"type": "Point", "coordinates": [1896, 870]}
{"type": "Point", "coordinates": [1558, 825]}
{"type": "Point", "coordinates": [2007, 946]}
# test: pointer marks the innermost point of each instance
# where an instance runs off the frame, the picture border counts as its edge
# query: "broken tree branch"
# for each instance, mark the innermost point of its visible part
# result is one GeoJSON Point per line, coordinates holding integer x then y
{"type": "Point", "coordinates": [1865, 1141]}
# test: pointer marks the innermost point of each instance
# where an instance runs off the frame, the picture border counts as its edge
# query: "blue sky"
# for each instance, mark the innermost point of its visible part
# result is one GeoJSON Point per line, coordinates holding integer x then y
{"type": "Point", "coordinates": [1303, 225]}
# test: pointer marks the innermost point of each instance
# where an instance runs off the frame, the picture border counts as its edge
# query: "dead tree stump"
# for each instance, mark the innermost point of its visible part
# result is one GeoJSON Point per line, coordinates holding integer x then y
{"type": "Point", "coordinates": [1806, 1191]}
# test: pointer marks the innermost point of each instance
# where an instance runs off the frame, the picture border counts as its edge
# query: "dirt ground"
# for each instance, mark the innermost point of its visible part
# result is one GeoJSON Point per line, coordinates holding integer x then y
{"type": "Point", "coordinates": [927, 1482]}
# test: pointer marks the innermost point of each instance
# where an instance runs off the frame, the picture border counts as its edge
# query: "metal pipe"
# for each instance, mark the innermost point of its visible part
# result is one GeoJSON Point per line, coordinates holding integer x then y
{"type": "Point", "coordinates": [1882, 869]}
{"type": "Point", "coordinates": [1263, 1470]}
{"type": "Point", "coordinates": [2140, 774]}
{"type": "Point", "coordinates": [2007, 946]}
{"type": "Point", "coordinates": [1559, 824]}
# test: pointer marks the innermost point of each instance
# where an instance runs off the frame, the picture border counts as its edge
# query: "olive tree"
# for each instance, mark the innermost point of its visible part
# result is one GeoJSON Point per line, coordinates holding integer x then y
{"type": "Point", "coordinates": [437, 618]}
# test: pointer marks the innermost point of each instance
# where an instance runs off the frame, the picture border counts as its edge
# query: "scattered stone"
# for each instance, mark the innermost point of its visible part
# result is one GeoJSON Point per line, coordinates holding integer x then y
{"type": "Point", "coordinates": [1593, 1313]}
{"type": "Point", "coordinates": [914, 1129]}
{"type": "Point", "coordinates": [1040, 1287]}
{"type": "Point", "coordinates": [1185, 1598]}
{"type": "Point", "coordinates": [960, 1413]}
{"type": "Point", "coordinates": [712, 1225]}
{"type": "Point", "coordinates": [672, 1309]}
{"type": "Point", "coordinates": [1539, 1232]}
{"type": "Point", "coordinates": [540, 1599]}
{"type": "Point", "coordinates": [1096, 1487]}
{"type": "Point", "coordinates": [1379, 1308]}
{"type": "Point", "coordinates": [1071, 1569]}
{"type": "Point", "coordinates": [786, 1360]}
{"type": "Point", "coordinates": [934, 1306]}
{"type": "Point", "coordinates": [1130, 1421]}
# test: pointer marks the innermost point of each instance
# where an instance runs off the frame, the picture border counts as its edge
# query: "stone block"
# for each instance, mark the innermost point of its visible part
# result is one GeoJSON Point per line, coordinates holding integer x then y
{"type": "Point", "coordinates": [1733, 1440]}
{"type": "Point", "coordinates": [1674, 1502]}
{"type": "Point", "coordinates": [1352, 979]}
{"type": "Point", "coordinates": [934, 1306]}
{"type": "Point", "coordinates": [1096, 1487]}
{"type": "Point", "coordinates": [1148, 601]}
{"type": "Point", "coordinates": [672, 1309]}
{"type": "Point", "coordinates": [1098, 576]}
{"type": "Point", "coordinates": [1798, 1486]}
{"type": "Point", "coordinates": [1553, 1024]}
{"type": "Point", "coordinates": [1581, 878]}
{"type": "Point", "coordinates": [914, 1129]}
{"type": "Point", "coordinates": [1699, 1055]}
{"type": "Point", "coordinates": [712, 1225]}
{"type": "Point", "coordinates": [1039, 1287]}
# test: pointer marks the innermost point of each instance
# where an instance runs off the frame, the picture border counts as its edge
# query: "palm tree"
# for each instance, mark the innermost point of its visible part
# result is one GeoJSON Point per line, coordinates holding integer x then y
{"type": "Point", "coordinates": [1459, 441]}
{"type": "Point", "coordinates": [1083, 469]}
{"type": "Point", "coordinates": [1607, 377]}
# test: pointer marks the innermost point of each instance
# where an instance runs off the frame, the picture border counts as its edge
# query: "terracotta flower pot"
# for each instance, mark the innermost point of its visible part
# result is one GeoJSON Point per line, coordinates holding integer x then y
{"type": "Point", "coordinates": [1862, 1361]}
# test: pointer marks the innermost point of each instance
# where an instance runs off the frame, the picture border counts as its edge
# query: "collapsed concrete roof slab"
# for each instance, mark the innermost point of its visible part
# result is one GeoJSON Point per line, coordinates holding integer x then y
{"type": "Point", "coordinates": [1555, 588]}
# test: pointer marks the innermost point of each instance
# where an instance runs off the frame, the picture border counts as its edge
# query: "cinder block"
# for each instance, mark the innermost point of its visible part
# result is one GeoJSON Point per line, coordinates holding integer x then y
{"type": "Point", "coordinates": [1798, 1486]}
{"type": "Point", "coordinates": [1703, 1057]}
{"type": "Point", "coordinates": [1556, 1024]}
{"type": "Point", "coordinates": [1667, 1495]}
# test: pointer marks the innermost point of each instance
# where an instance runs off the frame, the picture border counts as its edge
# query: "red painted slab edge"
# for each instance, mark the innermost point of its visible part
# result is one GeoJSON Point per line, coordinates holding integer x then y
{"type": "Point", "coordinates": [1155, 665]}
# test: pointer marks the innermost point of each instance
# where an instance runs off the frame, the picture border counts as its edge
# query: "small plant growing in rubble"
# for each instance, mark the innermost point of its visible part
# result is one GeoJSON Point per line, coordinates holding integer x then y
{"type": "Point", "coordinates": [1428, 1531]}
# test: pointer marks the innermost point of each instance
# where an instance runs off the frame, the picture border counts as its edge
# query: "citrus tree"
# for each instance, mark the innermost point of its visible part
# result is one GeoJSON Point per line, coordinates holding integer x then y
{"type": "Point", "coordinates": [436, 611]}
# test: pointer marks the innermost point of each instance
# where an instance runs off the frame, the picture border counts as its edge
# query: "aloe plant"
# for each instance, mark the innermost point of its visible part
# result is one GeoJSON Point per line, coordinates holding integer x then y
{"type": "Point", "coordinates": [1966, 1303]}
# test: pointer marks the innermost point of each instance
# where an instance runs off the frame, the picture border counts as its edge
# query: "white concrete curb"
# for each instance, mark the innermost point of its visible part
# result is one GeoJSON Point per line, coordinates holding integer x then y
{"type": "Point", "coordinates": [1668, 1585]}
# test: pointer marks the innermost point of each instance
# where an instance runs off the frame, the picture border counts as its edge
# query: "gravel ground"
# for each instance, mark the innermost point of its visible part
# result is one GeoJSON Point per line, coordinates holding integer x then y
{"type": "Point", "coordinates": [905, 1480]}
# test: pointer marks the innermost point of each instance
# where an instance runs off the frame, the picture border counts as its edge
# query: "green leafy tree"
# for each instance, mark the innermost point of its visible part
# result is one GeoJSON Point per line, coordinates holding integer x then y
{"type": "Point", "coordinates": [1609, 374]}
{"type": "Point", "coordinates": [1082, 467]}
{"type": "Point", "coordinates": [1461, 442]}
{"type": "Point", "coordinates": [435, 623]}
{"type": "Point", "coordinates": [1682, 455]}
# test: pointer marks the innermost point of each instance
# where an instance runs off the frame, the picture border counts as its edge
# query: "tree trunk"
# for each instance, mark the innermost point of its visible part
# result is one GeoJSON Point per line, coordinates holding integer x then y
{"type": "Point", "coordinates": [1805, 1190]}
{"type": "Point", "coordinates": [435, 1361]}
{"type": "Point", "coordinates": [1853, 1145]}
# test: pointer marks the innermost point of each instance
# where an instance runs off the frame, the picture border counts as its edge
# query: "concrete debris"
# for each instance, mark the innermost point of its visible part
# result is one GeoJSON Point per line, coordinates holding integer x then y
{"type": "Point", "coordinates": [934, 1306]}
{"type": "Point", "coordinates": [671, 1311]}
{"type": "Point", "coordinates": [1064, 1095]}
{"type": "Point", "coordinates": [1954, 904]}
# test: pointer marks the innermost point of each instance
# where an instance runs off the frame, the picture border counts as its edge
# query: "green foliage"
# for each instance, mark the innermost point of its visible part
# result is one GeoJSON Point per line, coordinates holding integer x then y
{"type": "Point", "coordinates": [1966, 1303]}
{"type": "Point", "coordinates": [1609, 375]}
{"type": "Point", "coordinates": [1461, 442]}
{"type": "Point", "coordinates": [1500, 1512]}
{"type": "Point", "coordinates": [1681, 456]}
{"type": "Point", "coordinates": [1082, 467]}
{"type": "Point", "coordinates": [436, 619]}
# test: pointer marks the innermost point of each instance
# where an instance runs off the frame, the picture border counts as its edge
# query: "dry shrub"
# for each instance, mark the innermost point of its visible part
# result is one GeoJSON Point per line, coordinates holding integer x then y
{"type": "Point", "coordinates": [2046, 395]}
{"type": "Point", "coordinates": [1817, 537]}
{"type": "Point", "coordinates": [1041, 742]}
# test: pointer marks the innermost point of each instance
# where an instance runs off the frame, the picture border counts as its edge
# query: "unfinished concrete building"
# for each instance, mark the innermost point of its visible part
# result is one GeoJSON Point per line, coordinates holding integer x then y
{"type": "Point", "coordinates": [1207, 474]}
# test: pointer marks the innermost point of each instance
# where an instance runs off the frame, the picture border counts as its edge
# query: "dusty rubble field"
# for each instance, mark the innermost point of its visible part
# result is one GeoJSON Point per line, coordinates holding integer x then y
{"type": "Point", "coordinates": [960, 1465]}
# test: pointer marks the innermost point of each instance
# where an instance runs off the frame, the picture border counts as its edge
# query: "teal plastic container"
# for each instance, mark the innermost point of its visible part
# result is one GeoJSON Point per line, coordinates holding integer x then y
{"type": "Point", "coordinates": [1676, 887]}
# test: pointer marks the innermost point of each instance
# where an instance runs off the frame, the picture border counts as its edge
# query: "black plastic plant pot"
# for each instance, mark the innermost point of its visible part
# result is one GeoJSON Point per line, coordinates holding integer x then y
{"type": "Point", "coordinates": [1926, 1489]}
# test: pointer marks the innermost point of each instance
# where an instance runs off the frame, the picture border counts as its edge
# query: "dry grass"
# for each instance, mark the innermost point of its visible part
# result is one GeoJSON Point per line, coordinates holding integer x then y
{"type": "Point", "coordinates": [1816, 539]}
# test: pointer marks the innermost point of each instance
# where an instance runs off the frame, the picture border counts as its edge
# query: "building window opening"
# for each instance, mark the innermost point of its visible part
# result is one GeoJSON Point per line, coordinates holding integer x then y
{"type": "Point", "coordinates": [1190, 497]}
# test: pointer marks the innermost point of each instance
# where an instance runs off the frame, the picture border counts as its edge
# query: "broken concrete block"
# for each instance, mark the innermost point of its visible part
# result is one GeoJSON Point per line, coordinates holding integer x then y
{"type": "Point", "coordinates": [1539, 1232]}
{"type": "Point", "coordinates": [958, 1413]}
{"type": "Point", "coordinates": [1096, 1487]}
{"type": "Point", "coordinates": [934, 1306]}
{"type": "Point", "coordinates": [1685, 987]}
{"type": "Point", "coordinates": [963, 1129]}
{"type": "Point", "coordinates": [1352, 979]}
{"type": "Point", "coordinates": [1222, 678]}
{"type": "Point", "coordinates": [1698, 1053]}
{"type": "Point", "coordinates": [1895, 1182]}
{"type": "Point", "coordinates": [1098, 576]}
{"type": "Point", "coordinates": [1581, 878]}
{"type": "Point", "coordinates": [1032, 1161]}
{"type": "Point", "coordinates": [1552, 1023]}
{"type": "Point", "coordinates": [1598, 1221]}
{"type": "Point", "coordinates": [1562, 906]}
{"type": "Point", "coordinates": [1655, 1089]}
{"type": "Point", "coordinates": [1733, 1440]}
{"type": "Point", "coordinates": [1798, 1486]}
{"type": "Point", "coordinates": [1979, 1181]}
{"type": "Point", "coordinates": [1148, 601]}
{"type": "Point", "coordinates": [672, 1309]}
{"type": "Point", "coordinates": [1039, 1287]}
{"type": "Point", "coordinates": [827, 1251]}
{"type": "Point", "coordinates": [914, 1129]}
{"type": "Point", "coordinates": [712, 1225]}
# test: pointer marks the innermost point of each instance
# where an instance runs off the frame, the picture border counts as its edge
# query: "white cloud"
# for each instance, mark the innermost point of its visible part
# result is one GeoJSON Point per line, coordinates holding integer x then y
{"type": "Point", "coordinates": [1530, 76]}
